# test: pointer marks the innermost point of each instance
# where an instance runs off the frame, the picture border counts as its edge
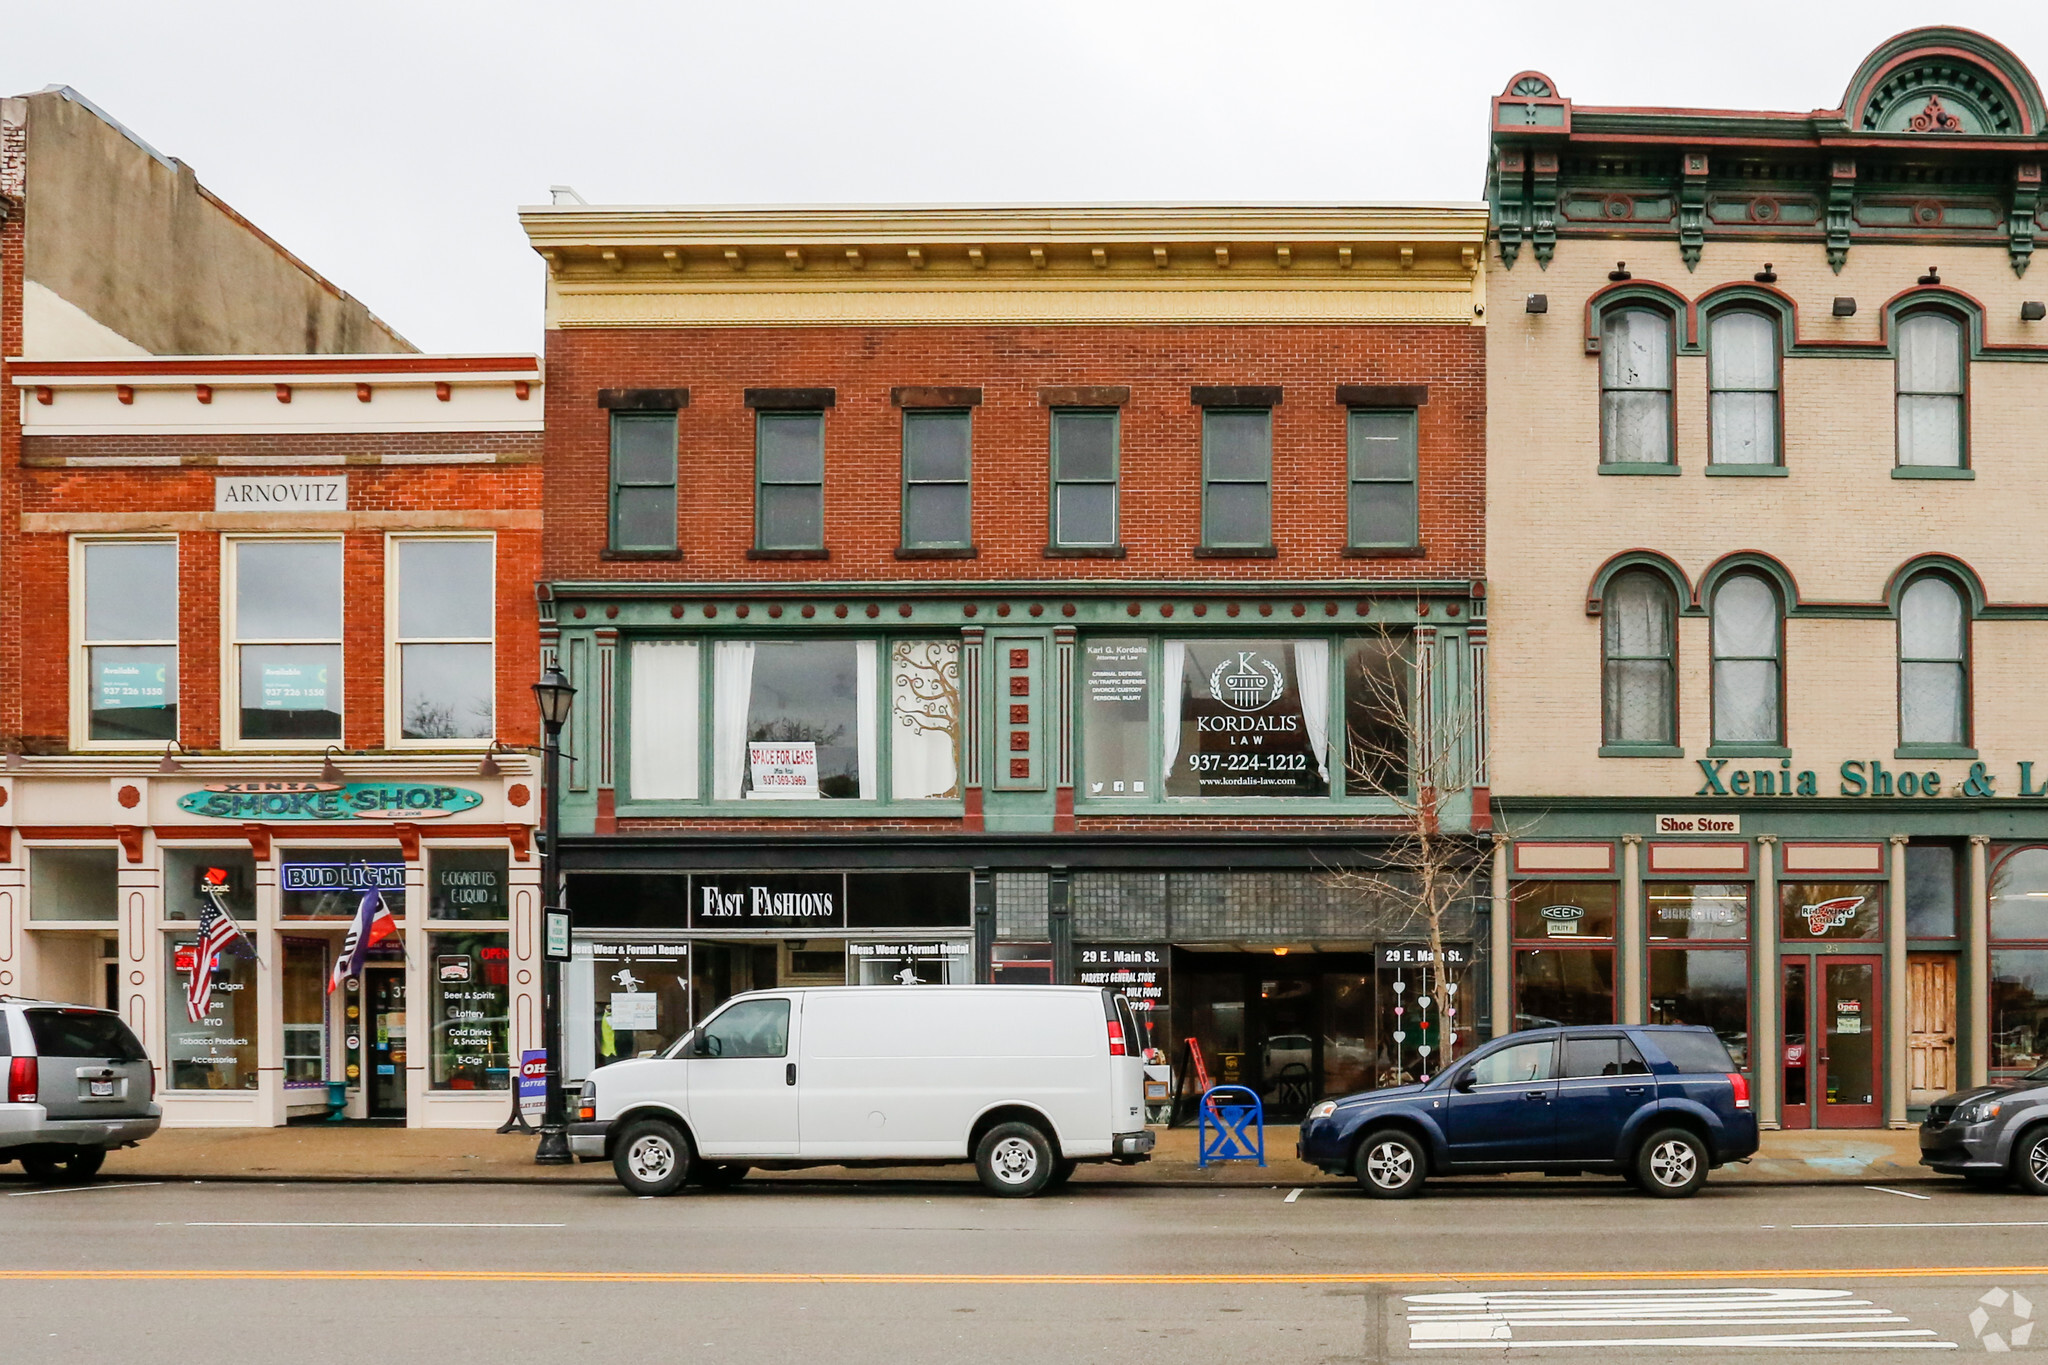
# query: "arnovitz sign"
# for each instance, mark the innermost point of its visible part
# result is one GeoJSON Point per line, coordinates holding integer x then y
{"type": "Point", "coordinates": [328, 801]}
{"type": "Point", "coordinates": [325, 493]}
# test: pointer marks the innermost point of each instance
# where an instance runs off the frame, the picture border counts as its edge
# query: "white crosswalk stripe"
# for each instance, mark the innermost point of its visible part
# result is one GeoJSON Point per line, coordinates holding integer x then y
{"type": "Point", "coordinates": [1540, 1319]}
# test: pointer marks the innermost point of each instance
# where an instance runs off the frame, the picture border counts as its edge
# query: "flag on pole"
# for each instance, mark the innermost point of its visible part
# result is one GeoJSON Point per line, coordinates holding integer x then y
{"type": "Point", "coordinates": [371, 926]}
{"type": "Point", "coordinates": [217, 930]}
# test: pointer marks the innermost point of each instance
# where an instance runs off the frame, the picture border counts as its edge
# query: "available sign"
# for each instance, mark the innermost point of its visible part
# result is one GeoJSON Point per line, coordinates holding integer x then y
{"type": "Point", "coordinates": [1698, 824]}
{"type": "Point", "coordinates": [328, 801]}
{"type": "Point", "coordinates": [240, 494]}
{"type": "Point", "coordinates": [127, 678]}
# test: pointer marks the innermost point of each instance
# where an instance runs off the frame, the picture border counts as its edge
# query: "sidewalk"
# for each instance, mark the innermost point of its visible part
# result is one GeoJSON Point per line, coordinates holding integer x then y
{"type": "Point", "coordinates": [334, 1152]}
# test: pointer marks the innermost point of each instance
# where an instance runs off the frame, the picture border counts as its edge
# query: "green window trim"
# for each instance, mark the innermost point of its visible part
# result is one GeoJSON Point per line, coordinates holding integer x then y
{"type": "Point", "coordinates": [1636, 401]}
{"type": "Point", "coordinates": [1934, 751]}
{"type": "Point", "coordinates": [1931, 471]}
{"type": "Point", "coordinates": [925, 487]}
{"type": "Point", "coordinates": [1926, 396]}
{"type": "Point", "coordinates": [786, 490]}
{"type": "Point", "coordinates": [1671, 470]}
{"type": "Point", "coordinates": [1746, 471]}
{"type": "Point", "coordinates": [1389, 473]}
{"type": "Point", "coordinates": [1063, 535]}
{"type": "Point", "coordinates": [1214, 484]}
{"type": "Point", "coordinates": [1642, 751]}
{"type": "Point", "coordinates": [1726, 391]}
{"type": "Point", "coordinates": [642, 483]}
{"type": "Point", "coordinates": [1748, 751]}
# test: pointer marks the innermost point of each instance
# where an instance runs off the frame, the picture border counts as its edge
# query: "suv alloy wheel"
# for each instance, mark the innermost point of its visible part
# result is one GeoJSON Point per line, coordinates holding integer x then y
{"type": "Point", "coordinates": [2030, 1160]}
{"type": "Point", "coordinates": [1671, 1163]}
{"type": "Point", "coordinates": [1391, 1165]}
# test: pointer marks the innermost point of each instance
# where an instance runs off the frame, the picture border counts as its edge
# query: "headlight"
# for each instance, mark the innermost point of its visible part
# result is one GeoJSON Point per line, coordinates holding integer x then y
{"type": "Point", "coordinates": [1983, 1111]}
{"type": "Point", "coordinates": [1323, 1110]}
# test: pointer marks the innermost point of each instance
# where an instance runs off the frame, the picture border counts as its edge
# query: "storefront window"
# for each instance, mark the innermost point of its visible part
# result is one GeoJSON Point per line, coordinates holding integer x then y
{"type": "Point", "coordinates": [74, 885]}
{"type": "Point", "coordinates": [1551, 910]}
{"type": "Point", "coordinates": [287, 631]}
{"type": "Point", "coordinates": [1378, 714]}
{"type": "Point", "coordinates": [946, 962]}
{"type": "Point", "coordinates": [1555, 987]}
{"type": "Point", "coordinates": [305, 1011]}
{"type": "Point", "coordinates": [219, 1051]}
{"type": "Point", "coordinates": [446, 629]}
{"type": "Point", "coordinates": [471, 995]}
{"type": "Point", "coordinates": [2019, 1008]}
{"type": "Point", "coordinates": [1931, 891]}
{"type": "Point", "coordinates": [1810, 912]}
{"type": "Point", "coordinates": [131, 639]}
{"type": "Point", "coordinates": [467, 883]}
{"type": "Point", "coordinates": [1703, 986]}
{"type": "Point", "coordinates": [1116, 718]}
{"type": "Point", "coordinates": [793, 720]}
{"type": "Point", "coordinates": [924, 713]}
{"type": "Point", "coordinates": [2019, 896]}
{"type": "Point", "coordinates": [330, 883]}
{"type": "Point", "coordinates": [640, 997]}
{"type": "Point", "coordinates": [1246, 718]}
{"type": "Point", "coordinates": [187, 870]}
{"type": "Point", "coordinates": [1697, 910]}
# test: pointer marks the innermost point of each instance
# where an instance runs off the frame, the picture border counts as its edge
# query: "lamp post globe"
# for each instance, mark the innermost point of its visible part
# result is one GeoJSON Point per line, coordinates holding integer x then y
{"type": "Point", "coordinates": [554, 695]}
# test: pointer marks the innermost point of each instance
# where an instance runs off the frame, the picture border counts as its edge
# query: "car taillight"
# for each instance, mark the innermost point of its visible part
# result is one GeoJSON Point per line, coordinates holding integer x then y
{"type": "Point", "coordinates": [1739, 1083]}
{"type": "Point", "coordinates": [152, 1082]}
{"type": "Point", "coordinates": [21, 1081]}
{"type": "Point", "coordinates": [1116, 1040]}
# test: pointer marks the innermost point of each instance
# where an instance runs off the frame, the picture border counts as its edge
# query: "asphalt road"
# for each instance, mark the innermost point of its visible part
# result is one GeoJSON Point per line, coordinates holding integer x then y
{"type": "Point", "coordinates": [235, 1274]}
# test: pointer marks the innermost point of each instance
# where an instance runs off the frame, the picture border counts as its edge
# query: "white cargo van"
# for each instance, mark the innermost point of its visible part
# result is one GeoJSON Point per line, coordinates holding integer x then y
{"type": "Point", "coordinates": [1024, 1081]}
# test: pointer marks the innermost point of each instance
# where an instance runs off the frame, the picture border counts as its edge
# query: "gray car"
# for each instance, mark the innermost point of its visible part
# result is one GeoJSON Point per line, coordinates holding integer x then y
{"type": "Point", "coordinates": [78, 1086]}
{"type": "Point", "coordinates": [1992, 1134]}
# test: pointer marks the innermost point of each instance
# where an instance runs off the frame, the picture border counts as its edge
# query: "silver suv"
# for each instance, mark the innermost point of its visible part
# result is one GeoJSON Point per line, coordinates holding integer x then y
{"type": "Point", "coordinates": [78, 1086]}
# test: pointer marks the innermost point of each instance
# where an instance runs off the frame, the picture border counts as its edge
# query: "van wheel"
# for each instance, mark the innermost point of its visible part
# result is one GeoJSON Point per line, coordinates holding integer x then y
{"type": "Point", "coordinates": [72, 1166]}
{"type": "Point", "coordinates": [1062, 1171]}
{"type": "Point", "coordinates": [1391, 1165]}
{"type": "Point", "coordinates": [722, 1176]}
{"type": "Point", "coordinates": [2030, 1161]}
{"type": "Point", "coordinates": [1671, 1164]}
{"type": "Point", "coordinates": [652, 1157]}
{"type": "Point", "coordinates": [1014, 1160]}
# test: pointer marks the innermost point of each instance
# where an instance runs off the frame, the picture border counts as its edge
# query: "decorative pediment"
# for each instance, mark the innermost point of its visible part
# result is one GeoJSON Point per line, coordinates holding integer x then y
{"type": "Point", "coordinates": [1943, 81]}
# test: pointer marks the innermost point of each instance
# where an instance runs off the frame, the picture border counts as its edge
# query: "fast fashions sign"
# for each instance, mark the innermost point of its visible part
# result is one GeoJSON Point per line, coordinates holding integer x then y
{"type": "Point", "coordinates": [328, 801]}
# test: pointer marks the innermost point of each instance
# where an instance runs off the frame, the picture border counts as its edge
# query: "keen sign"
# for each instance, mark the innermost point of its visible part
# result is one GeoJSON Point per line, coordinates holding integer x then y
{"type": "Point", "coordinates": [328, 801]}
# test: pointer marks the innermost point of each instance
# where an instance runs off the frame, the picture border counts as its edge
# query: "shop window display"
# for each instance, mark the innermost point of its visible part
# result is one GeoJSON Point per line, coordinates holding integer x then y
{"type": "Point", "coordinates": [219, 1051]}
{"type": "Point", "coordinates": [1827, 912]}
{"type": "Point", "coordinates": [468, 883]}
{"type": "Point", "coordinates": [1116, 718]}
{"type": "Point", "coordinates": [1246, 718]}
{"type": "Point", "coordinates": [329, 883]}
{"type": "Point", "coordinates": [793, 720]}
{"type": "Point", "coordinates": [186, 870]}
{"type": "Point", "coordinates": [74, 885]}
{"type": "Point", "coordinates": [1707, 987]}
{"type": "Point", "coordinates": [2019, 896]}
{"type": "Point", "coordinates": [131, 640]}
{"type": "Point", "coordinates": [469, 991]}
{"type": "Point", "coordinates": [2019, 1008]}
{"type": "Point", "coordinates": [924, 719]}
{"type": "Point", "coordinates": [1564, 984]}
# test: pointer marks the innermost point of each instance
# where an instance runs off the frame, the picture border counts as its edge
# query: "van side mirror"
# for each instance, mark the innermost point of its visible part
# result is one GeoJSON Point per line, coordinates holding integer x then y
{"type": "Point", "coordinates": [1464, 1083]}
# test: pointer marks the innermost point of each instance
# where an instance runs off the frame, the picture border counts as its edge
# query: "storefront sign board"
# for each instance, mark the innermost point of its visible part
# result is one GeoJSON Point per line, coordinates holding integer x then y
{"type": "Point", "coordinates": [533, 1084]}
{"type": "Point", "coordinates": [324, 801]}
{"type": "Point", "coordinates": [239, 493]}
{"type": "Point", "coordinates": [768, 902]}
{"type": "Point", "coordinates": [1698, 824]}
{"type": "Point", "coordinates": [555, 935]}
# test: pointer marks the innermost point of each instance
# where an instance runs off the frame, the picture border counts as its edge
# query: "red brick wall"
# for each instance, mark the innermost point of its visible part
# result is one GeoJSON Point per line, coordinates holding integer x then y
{"type": "Point", "coordinates": [1161, 501]}
{"type": "Point", "coordinates": [10, 497]}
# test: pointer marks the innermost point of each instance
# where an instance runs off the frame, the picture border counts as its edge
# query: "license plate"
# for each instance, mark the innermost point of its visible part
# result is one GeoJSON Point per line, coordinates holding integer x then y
{"type": "Point", "coordinates": [102, 1088]}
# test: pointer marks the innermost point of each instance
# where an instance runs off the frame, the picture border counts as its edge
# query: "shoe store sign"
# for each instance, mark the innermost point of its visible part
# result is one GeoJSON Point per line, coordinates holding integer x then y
{"type": "Point", "coordinates": [328, 801]}
{"type": "Point", "coordinates": [1864, 777]}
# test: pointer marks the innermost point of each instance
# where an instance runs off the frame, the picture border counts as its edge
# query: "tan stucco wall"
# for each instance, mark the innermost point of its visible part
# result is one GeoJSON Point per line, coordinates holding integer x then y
{"type": "Point", "coordinates": [138, 247]}
{"type": "Point", "coordinates": [1839, 521]}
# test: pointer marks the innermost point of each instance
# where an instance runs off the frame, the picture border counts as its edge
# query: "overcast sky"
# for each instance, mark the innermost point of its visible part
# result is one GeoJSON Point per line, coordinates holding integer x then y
{"type": "Point", "coordinates": [390, 142]}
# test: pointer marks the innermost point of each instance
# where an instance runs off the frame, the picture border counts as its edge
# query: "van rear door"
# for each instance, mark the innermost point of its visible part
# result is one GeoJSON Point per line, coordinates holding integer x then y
{"type": "Point", "coordinates": [1126, 1064]}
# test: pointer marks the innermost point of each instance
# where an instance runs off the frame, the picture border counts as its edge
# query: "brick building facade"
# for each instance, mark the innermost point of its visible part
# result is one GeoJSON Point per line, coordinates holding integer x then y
{"type": "Point", "coordinates": [987, 594]}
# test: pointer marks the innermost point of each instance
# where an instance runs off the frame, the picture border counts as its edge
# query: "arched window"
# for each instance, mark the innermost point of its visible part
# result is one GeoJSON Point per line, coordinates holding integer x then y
{"type": "Point", "coordinates": [1934, 679]}
{"type": "Point", "coordinates": [1747, 676]}
{"type": "Point", "coordinates": [1742, 384]}
{"type": "Point", "coordinates": [1638, 621]}
{"type": "Point", "coordinates": [1635, 387]}
{"type": "Point", "coordinates": [1931, 372]}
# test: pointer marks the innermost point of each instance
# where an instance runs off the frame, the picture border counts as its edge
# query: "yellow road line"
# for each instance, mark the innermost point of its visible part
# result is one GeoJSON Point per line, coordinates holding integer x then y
{"type": "Point", "coordinates": [806, 1277]}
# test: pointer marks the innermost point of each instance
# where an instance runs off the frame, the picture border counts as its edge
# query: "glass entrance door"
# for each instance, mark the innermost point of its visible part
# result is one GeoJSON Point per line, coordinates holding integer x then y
{"type": "Point", "coordinates": [1833, 1052]}
{"type": "Point", "coordinates": [384, 1048]}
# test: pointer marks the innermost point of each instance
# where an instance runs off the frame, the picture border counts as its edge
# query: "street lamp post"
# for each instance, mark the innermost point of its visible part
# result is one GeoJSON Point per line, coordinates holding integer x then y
{"type": "Point", "coordinates": [554, 696]}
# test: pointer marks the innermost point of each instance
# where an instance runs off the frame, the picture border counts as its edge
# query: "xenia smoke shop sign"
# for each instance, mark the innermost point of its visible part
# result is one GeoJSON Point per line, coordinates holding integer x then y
{"type": "Point", "coordinates": [328, 801]}
{"type": "Point", "coordinates": [1867, 777]}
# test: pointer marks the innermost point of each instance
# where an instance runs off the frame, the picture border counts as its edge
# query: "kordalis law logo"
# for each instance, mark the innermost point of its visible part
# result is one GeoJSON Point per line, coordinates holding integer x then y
{"type": "Point", "coordinates": [2002, 1320]}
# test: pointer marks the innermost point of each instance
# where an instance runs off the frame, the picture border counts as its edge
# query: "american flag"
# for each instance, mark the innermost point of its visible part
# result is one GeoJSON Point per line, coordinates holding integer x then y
{"type": "Point", "coordinates": [217, 929]}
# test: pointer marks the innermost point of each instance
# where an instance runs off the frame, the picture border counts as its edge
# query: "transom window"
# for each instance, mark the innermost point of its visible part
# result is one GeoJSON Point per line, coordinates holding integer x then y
{"type": "Point", "coordinates": [1742, 380]}
{"type": "Point", "coordinates": [1084, 477]}
{"type": "Point", "coordinates": [1747, 677]}
{"type": "Point", "coordinates": [130, 639]}
{"type": "Point", "coordinates": [1383, 501]}
{"type": "Point", "coordinates": [446, 633]}
{"type": "Point", "coordinates": [1933, 664]}
{"type": "Point", "coordinates": [937, 480]}
{"type": "Point", "coordinates": [789, 496]}
{"type": "Point", "coordinates": [1639, 627]}
{"type": "Point", "coordinates": [1930, 378]}
{"type": "Point", "coordinates": [286, 632]}
{"type": "Point", "coordinates": [1635, 387]}
{"type": "Point", "coordinates": [1237, 478]}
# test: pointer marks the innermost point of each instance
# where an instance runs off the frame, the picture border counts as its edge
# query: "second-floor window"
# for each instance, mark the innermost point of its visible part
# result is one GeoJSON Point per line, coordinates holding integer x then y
{"type": "Point", "coordinates": [1382, 458]}
{"type": "Point", "coordinates": [1237, 478]}
{"type": "Point", "coordinates": [130, 640]}
{"type": "Point", "coordinates": [643, 482]}
{"type": "Point", "coordinates": [447, 679]}
{"type": "Point", "coordinates": [1933, 664]}
{"type": "Point", "coordinates": [1748, 682]}
{"type": "Point", "coordinates": [1635, 387]}
{"type": "Point", "coordinates": [938, 504]}
{"type": "Point", "coordinates": [1639, 623]}
{"type": "Point", "coordinates": [1930, 390]}
{"type": "Point", "coordinates": [1742, 383]}
{"type": "Point", "coordinates": [789, 489]}
{"type": "Point", "coordinates": [286, 632]}
{"type": "Point", "coordinates": [1084, 478]}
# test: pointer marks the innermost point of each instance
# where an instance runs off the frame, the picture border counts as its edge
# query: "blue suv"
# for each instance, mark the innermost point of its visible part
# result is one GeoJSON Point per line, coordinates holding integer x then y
{"type": "Point", "coordinates": [1658, 1106]}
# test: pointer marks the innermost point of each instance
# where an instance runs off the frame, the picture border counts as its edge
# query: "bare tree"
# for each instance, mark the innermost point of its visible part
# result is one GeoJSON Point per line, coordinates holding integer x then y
{"type": "Point", "coordinates": [1420, 747]}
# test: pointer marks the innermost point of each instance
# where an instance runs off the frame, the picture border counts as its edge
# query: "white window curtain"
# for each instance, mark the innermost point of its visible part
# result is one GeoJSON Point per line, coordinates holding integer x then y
{"type": "Point", "coordinates": [664, 702]}
{"type": "Point", "coordinates": [1312, 682]}
{"type": "Point", "coordinates": [1170, 683]}
{"type": "Point", "coordinates": [1746, 662]}
{"type": "Point", "coordinates": [866, 654]}
{"type": "Point", "coordinates": [1931, 664]}
{"type": "Point", "coordinates": [732, 690]}
{"type": "Point", "coordinates": [1742, 369]}
{"type": "Point", "coordinates": [1930, 385]}
{"type": "Point", "coordinates": [1640, 702]}
{"type": "Point", "coordinates": [924, 720]}
{"type": "Point", "coordinates": [1635, 383]}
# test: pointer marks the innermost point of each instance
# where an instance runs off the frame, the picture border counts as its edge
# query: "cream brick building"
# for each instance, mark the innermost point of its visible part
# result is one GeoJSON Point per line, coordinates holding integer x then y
{"type": "Point", "coordinates": [1764, 466]}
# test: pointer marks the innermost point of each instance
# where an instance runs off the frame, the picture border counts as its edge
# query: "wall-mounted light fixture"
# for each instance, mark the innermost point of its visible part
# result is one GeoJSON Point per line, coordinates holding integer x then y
{"type": "Point", "coordinates": [1536, 303]}
{"type": "Point", "coordinates": [1845, 307]}
{"type": "Point", "coordinates": [2033, 310]}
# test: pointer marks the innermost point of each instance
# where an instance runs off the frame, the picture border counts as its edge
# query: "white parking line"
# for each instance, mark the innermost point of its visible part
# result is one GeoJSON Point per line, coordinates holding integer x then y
{"type": "Point", "coordinates": [79, 1189]}
{"type": "Point", "coordinates": [373, 1225]}
{"type": "Point", "coordinates": [1903, 1194]}
{"type": "Point", "coordinates": [1809, 1227]}
{"type": "Point", "coordinates": [1524, 1319]}
{"type": "Point", "coordinates": [1292, 1195]}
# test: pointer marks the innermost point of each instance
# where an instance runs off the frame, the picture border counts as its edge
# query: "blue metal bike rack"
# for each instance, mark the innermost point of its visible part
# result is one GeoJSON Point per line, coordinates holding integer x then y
{"type": "Point", "coordinates": [1222, 1117]}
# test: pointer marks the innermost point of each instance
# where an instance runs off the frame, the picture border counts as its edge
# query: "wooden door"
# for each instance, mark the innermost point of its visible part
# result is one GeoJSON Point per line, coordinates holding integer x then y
{"type": "Point", "coordinates": [1930, 1026]}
